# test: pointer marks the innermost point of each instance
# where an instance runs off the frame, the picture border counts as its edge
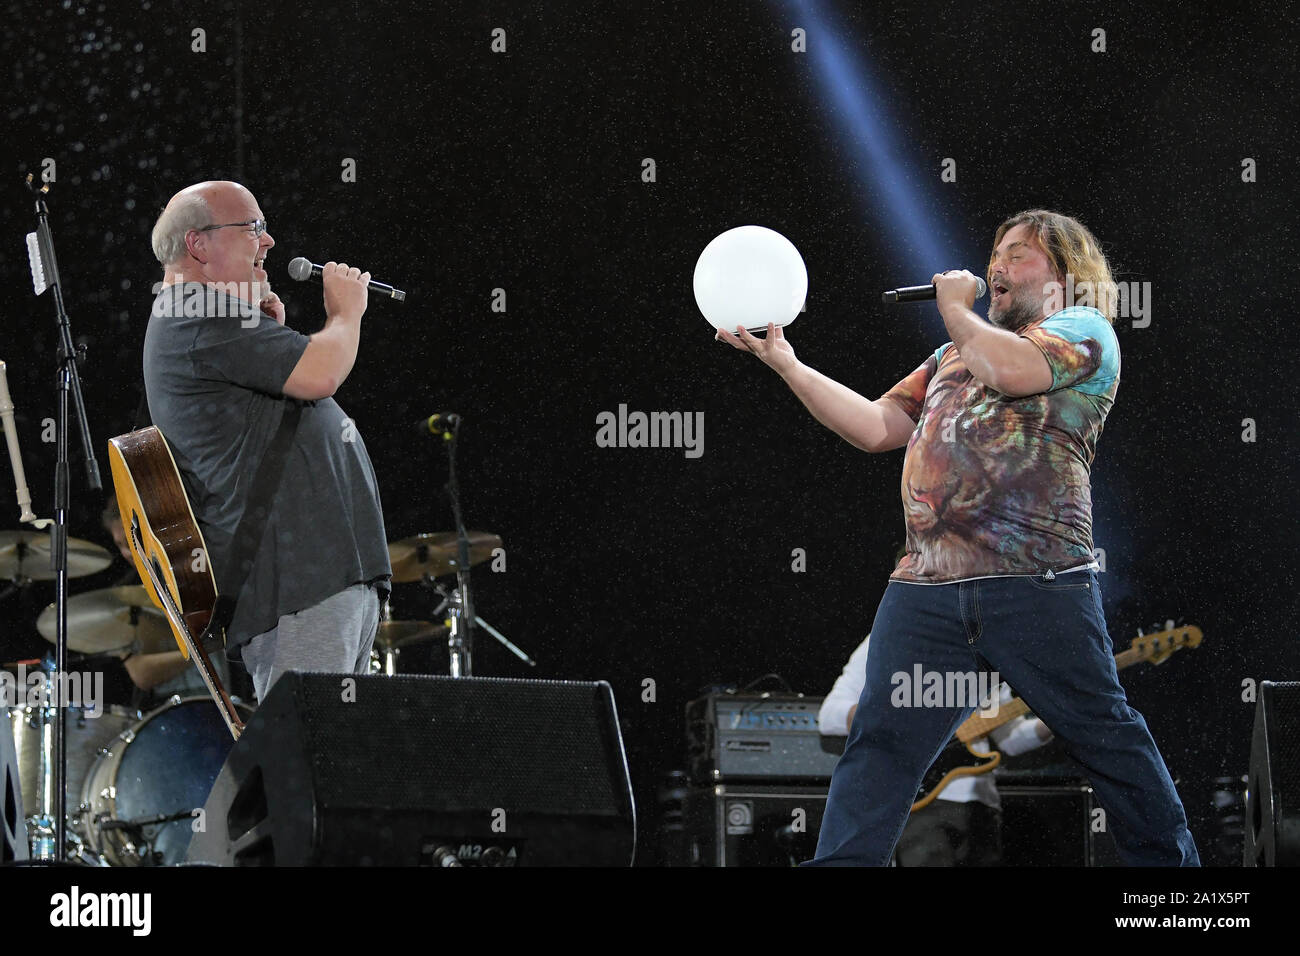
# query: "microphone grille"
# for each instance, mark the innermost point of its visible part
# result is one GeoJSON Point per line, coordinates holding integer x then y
{"type": "Point", "coordinates": [981, 288]}
{"type": "Point", "coordinates": [300, 269]}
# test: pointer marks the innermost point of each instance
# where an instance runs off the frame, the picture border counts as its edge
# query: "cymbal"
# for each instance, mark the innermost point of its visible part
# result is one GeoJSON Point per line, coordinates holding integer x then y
{"type": "Point", "coordinates": [110, 619]}
{"type": "Point", "coordinates": [435, 554]}
{"type": "Point", "coordinates": [26, 554]}
{"type": "Point", "coordinates": [394, 634]}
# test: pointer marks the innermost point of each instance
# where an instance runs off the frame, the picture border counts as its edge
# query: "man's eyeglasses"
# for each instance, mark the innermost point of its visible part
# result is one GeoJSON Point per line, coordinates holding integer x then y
{"type": "Point", "coordinates": [259, 226]}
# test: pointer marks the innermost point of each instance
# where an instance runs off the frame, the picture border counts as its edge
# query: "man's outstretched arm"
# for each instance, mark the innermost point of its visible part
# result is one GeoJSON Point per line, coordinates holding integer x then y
{"type": "Point", "coordinates": [865, 424]}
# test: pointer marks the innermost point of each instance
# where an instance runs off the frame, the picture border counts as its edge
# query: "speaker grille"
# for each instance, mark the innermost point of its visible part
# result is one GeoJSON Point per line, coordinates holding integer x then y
{"type": "Point", "coordinates": [460, 744]}
{"type": "Point", "coordinates": [1284, 742]}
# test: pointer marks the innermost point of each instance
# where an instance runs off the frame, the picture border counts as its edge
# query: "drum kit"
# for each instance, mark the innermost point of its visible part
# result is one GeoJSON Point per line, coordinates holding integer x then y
{"type": "Point", "coordinates": [127, 771]}
{"type": "Point", "coordinates": [423, 559]}
{"type": "Point", "coordinates": [134, 779]}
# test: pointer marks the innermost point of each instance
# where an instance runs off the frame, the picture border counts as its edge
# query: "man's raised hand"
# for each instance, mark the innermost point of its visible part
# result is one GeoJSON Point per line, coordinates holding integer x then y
{"type": "Point", "coordinates": [772, 349]}
{"type": "Point", "coordinates": [346, 292]}
{"type": "Point", "coordinates": [273, 307]}
{"type": "Point", "coordinates": [956, 288]}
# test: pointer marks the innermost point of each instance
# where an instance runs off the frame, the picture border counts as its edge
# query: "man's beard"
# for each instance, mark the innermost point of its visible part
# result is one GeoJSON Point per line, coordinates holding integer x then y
{"type": "Point", "coordinates": [1016, 315]}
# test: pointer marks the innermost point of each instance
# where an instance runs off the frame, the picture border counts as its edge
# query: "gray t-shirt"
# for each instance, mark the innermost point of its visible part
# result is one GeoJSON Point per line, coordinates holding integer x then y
{"type": "Point", "coordinates": [215, 391]}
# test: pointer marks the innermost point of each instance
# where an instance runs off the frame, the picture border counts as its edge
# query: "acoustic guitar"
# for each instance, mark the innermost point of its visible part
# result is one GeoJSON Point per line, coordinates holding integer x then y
{"type": "Point", "coordinates": [169, 553]}
{"type": "Point", "coordinates": [959, 760]}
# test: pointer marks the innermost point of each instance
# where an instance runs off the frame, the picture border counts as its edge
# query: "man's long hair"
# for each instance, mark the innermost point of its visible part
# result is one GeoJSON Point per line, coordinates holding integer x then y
{"type": "Point", "coordinates": [1071, 249]}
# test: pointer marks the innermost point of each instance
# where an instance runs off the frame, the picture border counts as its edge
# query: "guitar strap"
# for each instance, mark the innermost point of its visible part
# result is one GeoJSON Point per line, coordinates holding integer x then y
{"type": "Point", "coordinates": [142, 418]}
{"type": "Point", "coordinates": [248, 535]}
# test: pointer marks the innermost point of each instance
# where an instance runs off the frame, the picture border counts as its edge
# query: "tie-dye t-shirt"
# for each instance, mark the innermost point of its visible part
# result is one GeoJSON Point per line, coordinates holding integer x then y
{"type": "Point", "coordinates": [994, 485]}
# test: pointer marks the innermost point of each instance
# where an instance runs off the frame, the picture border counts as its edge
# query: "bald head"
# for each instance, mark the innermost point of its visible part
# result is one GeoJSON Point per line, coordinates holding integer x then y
{"type": "Point", "coordinates": [215, 233]}
{"type": "Point", "coordinates": [193, 208]}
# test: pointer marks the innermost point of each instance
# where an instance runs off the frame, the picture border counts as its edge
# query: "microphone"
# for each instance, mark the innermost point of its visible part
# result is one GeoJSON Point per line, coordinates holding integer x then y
{"type": "Point", "coordinates": [304, 269]}
{"type": "Point", "coordinates": [919, 293]}
{"type": "Point", "coordinates": [443, 423]}
{"type": "Point", "coordinates": [15, 458]}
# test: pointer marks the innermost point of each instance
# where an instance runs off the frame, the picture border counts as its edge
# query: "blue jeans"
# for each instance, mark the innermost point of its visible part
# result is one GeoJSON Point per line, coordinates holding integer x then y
{"type": "Point", "coordinates": [1048, 640]}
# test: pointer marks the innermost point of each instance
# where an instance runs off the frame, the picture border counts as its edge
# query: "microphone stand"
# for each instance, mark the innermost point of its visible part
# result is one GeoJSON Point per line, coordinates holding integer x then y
{"type": "Point", "coordinates": [460, 644]}
{"type": "Point", "coordinates": [69, 384]}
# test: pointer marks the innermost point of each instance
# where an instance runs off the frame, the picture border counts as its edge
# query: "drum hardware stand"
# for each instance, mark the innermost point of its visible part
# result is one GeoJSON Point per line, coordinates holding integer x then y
{"type": "Point", "coordinates": [460, 644]}
{"type": "Point", "coordinates": [139, 842]}
{"type": "Point", "coordinates": [389, 658]}
{"type": "Point", "coordinates": [18, 582]}
{"type": "Point", "coordinates": [42, 831]}
{"type": "Point", "coordinates": [452, 598]}
{"type": "Point", "coordinates": [45, 274]}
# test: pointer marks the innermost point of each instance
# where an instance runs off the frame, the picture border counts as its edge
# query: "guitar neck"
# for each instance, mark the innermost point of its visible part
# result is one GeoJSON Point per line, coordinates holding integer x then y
{"type": "Point", "coordinates": [198, 653]}
{"type": "Point", "coordinates": [1127, 658]}
{"type": "Point", "coordinates": [976, 726]}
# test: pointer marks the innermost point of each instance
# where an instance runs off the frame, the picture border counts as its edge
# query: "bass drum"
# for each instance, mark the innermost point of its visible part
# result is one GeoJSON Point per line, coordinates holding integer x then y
{"type": "Point", "coordinates": [164, 765]}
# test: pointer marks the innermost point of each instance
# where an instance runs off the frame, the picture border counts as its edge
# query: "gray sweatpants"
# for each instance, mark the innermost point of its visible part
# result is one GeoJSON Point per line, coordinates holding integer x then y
{"type": "Point", "coordinates": [334, 636]}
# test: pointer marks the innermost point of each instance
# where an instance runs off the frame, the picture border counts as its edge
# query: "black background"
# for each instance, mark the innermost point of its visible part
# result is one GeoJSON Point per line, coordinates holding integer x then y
{"type": "Point", "coordinates": [522, 171]}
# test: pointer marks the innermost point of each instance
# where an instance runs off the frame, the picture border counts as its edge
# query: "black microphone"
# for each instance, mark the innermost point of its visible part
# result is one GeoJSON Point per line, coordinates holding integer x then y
{"type": "Point", "coordinates": [919, 293]}
{"type": "Point", "coordinates": [443, 423]}
{"type": "Point", "coordinates": [304, 269]}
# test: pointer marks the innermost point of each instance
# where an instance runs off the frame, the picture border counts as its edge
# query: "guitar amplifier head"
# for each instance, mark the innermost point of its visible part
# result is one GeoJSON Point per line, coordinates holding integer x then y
{"type": "Point", "coordinates": [758, 737]}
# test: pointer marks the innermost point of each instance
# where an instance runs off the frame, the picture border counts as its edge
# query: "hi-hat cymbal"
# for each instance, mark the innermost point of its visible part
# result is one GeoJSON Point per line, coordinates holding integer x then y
{"type": "Point", "coordinates": [110, 619]}
{"type": "Point", "coordinates": [26, 554]}
{"type": "Point", "coordinates": [435, 554]}
{"type": "Point", "coordinates": [395, 634]}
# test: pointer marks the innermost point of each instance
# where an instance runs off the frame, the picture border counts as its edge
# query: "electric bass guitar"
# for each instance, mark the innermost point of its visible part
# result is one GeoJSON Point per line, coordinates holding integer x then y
{"type": "Point", "coordinates": [169, 553]}
{"type": "Point", "coordinates": [958, 759]}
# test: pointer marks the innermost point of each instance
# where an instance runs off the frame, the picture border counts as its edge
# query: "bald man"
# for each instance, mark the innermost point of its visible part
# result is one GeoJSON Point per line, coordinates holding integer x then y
{"type": "Point", "coordinates": [221, 370]}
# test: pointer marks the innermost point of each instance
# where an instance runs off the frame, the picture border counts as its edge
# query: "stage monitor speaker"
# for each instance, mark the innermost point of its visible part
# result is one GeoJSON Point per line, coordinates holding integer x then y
{"type": "Point", "coordinates": [13, 828]}
{"type": "Point", "coordinates": [342, 769]}
{"type": "Point", "coordinates": [1273, 793]}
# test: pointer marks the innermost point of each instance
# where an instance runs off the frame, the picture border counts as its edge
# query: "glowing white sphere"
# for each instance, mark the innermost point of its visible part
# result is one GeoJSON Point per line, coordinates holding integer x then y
{"type": "Point", "coordinates": [750, 276]}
